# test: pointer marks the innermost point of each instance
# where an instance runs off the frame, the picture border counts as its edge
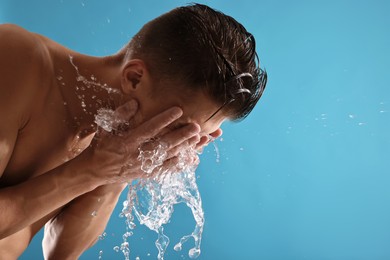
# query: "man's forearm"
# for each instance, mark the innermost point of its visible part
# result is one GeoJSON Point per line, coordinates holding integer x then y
{"type": "Point", "coordinates": [78, 226]}
{"type": "Point", "coordinates": [25, 203]}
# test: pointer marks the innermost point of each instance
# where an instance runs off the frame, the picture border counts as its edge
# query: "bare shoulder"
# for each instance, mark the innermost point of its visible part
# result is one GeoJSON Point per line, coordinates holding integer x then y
{"type": "Point", "coordinates": [16, 37]}
{"type": "Point", "coordinates": [17, 47]}
{"type": "Point", "coordinates": [22, 57]}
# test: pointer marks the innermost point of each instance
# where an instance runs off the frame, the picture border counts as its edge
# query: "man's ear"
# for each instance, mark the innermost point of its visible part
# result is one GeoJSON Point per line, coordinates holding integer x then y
{"type": "Point", "coordinates": [132, 74]}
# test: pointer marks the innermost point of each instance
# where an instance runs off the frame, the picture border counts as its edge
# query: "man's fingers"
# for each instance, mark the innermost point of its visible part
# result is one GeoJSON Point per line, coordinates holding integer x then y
{"type": "Point", "coordinates": [168, 165]}
{"type": "Point", "coordinates": [183, 146]}
{"type": "Point", "coordinates": [206, 139]}
{"type": "Point", "coordinates": [216, 133]}
{"type": "Point", "coordinates": [178, 136]}
{"type": "Point", "coordinates": [153, 126]}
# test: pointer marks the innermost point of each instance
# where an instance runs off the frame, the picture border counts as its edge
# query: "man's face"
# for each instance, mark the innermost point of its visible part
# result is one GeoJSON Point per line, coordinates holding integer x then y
{"type": "Point", "coordinates": [197, 108]}
{"type": "Point", "coordinates": [155, 96]}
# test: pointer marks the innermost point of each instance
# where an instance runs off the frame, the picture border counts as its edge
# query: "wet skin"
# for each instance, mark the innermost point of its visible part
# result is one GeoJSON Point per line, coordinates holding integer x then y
{"type": "Point", "coordinates": [52, 169]}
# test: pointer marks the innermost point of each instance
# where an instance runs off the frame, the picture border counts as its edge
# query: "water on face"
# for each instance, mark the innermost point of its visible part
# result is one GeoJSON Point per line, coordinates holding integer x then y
{"type": "Point", "coordinates": [151, 199]}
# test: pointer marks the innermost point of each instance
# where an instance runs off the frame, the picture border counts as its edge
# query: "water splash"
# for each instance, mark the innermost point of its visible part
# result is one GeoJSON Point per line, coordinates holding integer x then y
{"type": "Point", "coordinates": [152, 158]}
{"type": "Point", "coordinates": [93, 82]}
{"type": "Point", "coordinates": [151, 200]}
{"type": "Point", "coordinates": [102, 236]}
{"type": "Point", "coordinates": [216, 149]}
{"type": "Point", "coordinates": [107, 119]}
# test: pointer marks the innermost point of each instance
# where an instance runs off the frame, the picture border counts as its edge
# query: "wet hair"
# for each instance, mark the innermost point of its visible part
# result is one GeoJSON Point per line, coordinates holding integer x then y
{"type": "Point", "coordinates": [204, 49]}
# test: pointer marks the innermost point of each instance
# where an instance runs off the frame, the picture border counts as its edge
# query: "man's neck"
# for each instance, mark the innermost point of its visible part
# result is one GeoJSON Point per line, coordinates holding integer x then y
{"type": "Point", "coordinates": [88, 84]}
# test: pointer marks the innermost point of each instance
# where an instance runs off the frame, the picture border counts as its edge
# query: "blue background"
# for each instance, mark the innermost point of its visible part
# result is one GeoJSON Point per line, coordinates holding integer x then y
{"type": "Point", "coordinates": [306, 176]}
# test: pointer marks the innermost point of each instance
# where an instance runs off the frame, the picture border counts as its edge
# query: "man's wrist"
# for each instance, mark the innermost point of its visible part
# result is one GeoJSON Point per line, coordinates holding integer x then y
{"type": "Point", "coordinates": [85, 171]}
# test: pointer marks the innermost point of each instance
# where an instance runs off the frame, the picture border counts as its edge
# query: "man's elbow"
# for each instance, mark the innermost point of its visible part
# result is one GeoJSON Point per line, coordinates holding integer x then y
{"type": "Point", "coordinates": [56, 247]}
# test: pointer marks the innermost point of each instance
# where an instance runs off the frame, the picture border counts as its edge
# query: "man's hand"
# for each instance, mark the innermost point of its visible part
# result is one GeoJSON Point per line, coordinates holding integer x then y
{"type": "Point", "coordinates": [112, 157]}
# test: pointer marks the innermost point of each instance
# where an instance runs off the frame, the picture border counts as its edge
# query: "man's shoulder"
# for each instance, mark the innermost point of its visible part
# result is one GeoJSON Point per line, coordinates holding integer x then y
{"type": "Point", "coordinates": [19, 47]}
{"type": "Point", "coordinates": [22, 59]}
{"type": "Point", "coordinates": [16, 39]}
{"type": "Point", "coordinates": [11, 30]}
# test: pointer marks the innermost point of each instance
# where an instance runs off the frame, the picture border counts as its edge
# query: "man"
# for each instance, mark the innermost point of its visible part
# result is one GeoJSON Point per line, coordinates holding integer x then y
{"type": "Point", "coordinates": [178, 79]}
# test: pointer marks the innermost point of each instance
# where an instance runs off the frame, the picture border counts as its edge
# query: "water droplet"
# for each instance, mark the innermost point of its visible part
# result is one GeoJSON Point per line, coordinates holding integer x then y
{"type": "Point", "coordinates": [94, 213]}
{"type": "Point", "coordinates": [194, 252]}
{"type": "Point", "coordinates": [177, 247]}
